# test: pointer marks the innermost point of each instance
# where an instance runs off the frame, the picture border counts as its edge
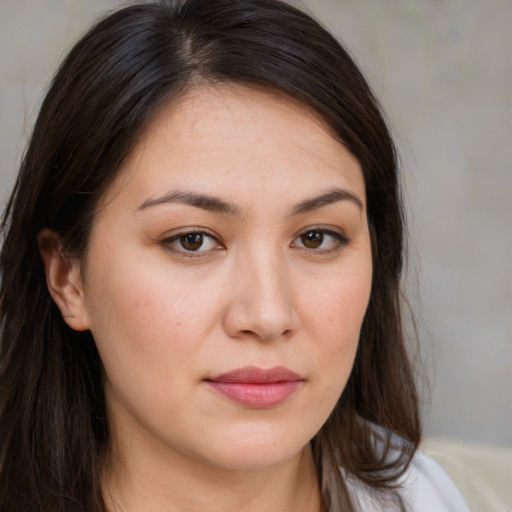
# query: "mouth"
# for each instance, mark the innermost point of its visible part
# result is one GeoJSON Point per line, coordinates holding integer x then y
{"type": "Point", "coordinates": [257, 388]}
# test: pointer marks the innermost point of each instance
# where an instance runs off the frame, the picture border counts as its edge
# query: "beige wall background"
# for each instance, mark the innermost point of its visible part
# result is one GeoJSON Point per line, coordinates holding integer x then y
{"type": "Point", "coordinates": [443, 71]}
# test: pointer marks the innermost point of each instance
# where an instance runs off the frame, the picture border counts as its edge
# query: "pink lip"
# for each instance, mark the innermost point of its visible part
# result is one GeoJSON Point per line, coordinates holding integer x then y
{"type": "Point", "coordinates": [257, 388]}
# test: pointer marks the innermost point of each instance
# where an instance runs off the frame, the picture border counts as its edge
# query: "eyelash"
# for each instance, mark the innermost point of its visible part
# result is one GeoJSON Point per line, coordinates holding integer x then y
{"type": "Point", "coordinates": [170, 243]}
{"type": "Point", "coordinates": [339, 240]}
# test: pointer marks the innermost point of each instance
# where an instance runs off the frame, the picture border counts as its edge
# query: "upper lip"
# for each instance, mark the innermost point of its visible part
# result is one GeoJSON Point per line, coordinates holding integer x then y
{"type": "Point", "coordinates": [255, 375]}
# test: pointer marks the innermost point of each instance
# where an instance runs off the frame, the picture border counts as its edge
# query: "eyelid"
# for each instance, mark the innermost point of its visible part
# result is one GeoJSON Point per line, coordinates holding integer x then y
{"type": "Point", "coordinates": [341, 240]}
{"type": "Point", "coordinates": [168, 241]}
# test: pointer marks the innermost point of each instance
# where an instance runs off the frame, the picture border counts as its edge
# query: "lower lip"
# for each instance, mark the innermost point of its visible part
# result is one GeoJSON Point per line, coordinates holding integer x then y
{"type": "Point", "coordinates": [256, 395]}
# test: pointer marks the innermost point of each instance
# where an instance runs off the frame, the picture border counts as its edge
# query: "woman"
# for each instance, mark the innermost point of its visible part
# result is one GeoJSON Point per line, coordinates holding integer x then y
{"type": "Point", "coordinates": [200, 278]}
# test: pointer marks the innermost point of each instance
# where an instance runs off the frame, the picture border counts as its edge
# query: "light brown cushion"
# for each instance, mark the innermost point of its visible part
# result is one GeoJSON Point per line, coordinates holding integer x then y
{"type": "Point", "coordinates": [483, 474]}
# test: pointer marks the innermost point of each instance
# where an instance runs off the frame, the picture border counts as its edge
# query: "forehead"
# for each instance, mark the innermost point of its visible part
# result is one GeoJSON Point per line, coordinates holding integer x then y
{"type": "Point", "coordinates": [237, 137]}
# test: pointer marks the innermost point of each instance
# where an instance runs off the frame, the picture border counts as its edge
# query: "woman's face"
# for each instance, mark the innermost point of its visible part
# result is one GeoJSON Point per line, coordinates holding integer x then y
{"type": "Point", "coordinates": [226, 280]}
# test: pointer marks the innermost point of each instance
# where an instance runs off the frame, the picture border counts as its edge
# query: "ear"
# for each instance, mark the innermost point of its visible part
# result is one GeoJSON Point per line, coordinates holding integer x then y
{"type": "Point", "coordinates": [64, 280]}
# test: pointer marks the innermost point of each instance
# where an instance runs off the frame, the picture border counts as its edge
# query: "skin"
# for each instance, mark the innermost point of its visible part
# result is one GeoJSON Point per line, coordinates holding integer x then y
{"type": "Point", "coordinates": [166, 318]}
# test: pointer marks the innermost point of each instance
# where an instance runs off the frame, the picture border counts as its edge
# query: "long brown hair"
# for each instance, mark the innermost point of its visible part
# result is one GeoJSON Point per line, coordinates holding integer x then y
{"type": "Point", "coordinates": [53, 429]}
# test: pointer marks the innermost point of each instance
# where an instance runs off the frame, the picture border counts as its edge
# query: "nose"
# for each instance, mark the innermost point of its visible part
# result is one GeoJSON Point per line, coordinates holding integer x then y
{"type": "Point", "coordinates": [262, 302]}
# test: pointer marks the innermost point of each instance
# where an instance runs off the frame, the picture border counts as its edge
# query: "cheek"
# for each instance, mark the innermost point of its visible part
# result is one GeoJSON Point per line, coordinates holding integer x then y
{"type": "Point", "coordinates": [144, 308]}
{"type": "Point", "coordinates": [337, 308]}
{"type": "Point", "coordinates": [149, 332]}
{"type": "Point", "coordinates": [335, 315]}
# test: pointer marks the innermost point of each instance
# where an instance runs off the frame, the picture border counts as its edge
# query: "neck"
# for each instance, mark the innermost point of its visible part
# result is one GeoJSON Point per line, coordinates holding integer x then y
{"type": "Point", "coordinates": [154, 485]}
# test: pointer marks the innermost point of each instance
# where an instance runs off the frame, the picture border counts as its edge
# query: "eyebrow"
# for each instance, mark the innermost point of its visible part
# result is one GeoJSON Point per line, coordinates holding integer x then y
{"type": "Point", "coordinates": [217, 205]}
{"type": "Point", "coordinates": [204, 201]}
{"type": "Point", "coordinates": [333, 196]}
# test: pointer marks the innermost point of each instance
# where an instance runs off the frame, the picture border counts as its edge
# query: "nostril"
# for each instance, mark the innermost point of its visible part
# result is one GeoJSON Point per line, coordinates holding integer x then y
{"type": "Point", "coordinates": [259, 333]}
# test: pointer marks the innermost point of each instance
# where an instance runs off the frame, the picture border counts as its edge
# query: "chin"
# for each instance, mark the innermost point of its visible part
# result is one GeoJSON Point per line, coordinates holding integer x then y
{"type": "Point", "coordinates": [258, 451]}
{"type": "Point", "coordinates": [258, 459]}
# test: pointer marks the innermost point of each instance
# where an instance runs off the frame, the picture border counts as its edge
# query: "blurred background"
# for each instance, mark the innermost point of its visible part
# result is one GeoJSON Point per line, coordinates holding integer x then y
{"type": "Point", "coordinates": [443, 72]}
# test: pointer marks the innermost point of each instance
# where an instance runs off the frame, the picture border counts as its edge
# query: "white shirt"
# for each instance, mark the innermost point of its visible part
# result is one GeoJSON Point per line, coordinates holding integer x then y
{"type": "Point", "coordinates": [425, 487]}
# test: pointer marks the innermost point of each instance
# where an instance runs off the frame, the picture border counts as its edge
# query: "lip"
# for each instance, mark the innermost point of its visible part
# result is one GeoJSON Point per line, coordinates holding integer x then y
{"type": "Point", "coordinates": [257, 388]}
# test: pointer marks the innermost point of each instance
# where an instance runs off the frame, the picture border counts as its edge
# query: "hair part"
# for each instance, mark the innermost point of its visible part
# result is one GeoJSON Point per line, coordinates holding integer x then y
{"type": "Point", "coordinates": [53, 429]}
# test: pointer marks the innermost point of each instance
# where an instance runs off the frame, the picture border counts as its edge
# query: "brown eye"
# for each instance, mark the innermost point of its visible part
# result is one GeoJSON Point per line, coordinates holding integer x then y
{"type": "Point", "coordinates": [320, 241]}
{"type": "Point", "coordinates": [191, 241]}
{"type": "Point", "coordinates": [312, 239]}
{"type": "Point", "coordinates": [192, 244]}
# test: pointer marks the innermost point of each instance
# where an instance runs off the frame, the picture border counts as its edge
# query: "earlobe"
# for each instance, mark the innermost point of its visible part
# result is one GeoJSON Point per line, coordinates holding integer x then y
{"type": "Point", "coordinates": [63, 280]}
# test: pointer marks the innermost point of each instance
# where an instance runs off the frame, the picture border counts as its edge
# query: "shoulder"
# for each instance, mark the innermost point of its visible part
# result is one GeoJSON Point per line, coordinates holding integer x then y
{"type": "Point", "coordinates": [426, 487]}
